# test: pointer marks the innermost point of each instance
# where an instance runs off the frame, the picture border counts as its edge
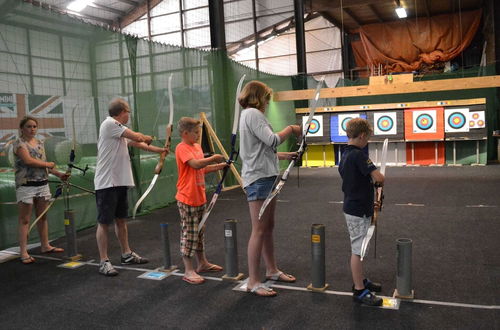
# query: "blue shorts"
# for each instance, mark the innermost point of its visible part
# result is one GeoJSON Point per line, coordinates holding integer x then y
{"type": "Point", "coordinates": [260, 189]}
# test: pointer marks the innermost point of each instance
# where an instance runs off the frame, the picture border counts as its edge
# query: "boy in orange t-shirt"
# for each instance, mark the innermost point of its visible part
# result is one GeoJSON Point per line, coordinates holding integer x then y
{"type": "Point", "coordinates": [191, 198]}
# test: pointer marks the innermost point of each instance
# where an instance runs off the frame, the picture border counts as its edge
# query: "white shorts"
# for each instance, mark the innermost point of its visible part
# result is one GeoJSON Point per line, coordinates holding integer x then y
{"type": "Point", "coordinates": [358, 227]}
{"type": "Point", "coordinates": [26, 194]}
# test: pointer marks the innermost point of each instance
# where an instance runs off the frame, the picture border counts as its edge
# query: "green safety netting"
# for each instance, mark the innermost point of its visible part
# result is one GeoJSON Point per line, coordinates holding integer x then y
{"type": "Point", "coordinates": [62, 70]}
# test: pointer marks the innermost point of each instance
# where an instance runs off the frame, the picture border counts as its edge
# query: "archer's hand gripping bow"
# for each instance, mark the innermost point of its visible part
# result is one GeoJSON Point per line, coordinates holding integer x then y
{"type": "Point", "coordinates": [300, 151]}
{"type": "Point", "coordinates": [232, 157]}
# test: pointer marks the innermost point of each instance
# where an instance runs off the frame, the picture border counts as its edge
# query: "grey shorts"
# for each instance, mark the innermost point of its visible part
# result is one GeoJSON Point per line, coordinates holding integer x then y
{"type": "Point", "coordinates": [358, 227]}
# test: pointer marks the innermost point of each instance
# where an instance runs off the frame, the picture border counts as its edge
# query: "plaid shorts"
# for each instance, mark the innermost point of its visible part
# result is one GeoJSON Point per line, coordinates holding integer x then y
{"type": "Point", "coordinates": [191, 242]}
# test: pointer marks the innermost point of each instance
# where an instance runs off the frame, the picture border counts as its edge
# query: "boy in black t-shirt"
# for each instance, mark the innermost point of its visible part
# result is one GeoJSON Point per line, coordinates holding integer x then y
{"type": "Point", "coordinates": [358, 177]}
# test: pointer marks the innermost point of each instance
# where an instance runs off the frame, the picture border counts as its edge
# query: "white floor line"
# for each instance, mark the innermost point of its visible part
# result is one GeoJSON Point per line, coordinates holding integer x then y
{"type": "Point", "coordinates": [410, 204]}
{"type": "Point", "coordinates": [288, 287]}
{"type": "Point", "coordinates": [480, 205]}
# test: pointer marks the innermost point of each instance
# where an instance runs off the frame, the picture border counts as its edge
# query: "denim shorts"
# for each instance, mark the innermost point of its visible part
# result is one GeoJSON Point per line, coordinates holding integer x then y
{"type": "Point", "coordinates": [260, 189]}
{"type": "Point", "coordinates": [358, 227]}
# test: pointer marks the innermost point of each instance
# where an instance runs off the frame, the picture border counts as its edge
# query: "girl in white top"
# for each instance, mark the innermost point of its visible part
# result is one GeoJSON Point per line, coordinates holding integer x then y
{"type": "Point", "coordinates": [260, 168]}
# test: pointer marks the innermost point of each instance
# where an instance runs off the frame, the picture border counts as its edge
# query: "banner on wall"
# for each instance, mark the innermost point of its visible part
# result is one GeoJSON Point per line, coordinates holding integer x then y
{"type": "Point", "coordinates": [456, 120]}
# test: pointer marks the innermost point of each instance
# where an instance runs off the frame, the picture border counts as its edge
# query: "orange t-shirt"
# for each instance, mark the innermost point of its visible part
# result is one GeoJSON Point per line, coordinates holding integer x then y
{"type": "Point", "coordinates": [191, 181]}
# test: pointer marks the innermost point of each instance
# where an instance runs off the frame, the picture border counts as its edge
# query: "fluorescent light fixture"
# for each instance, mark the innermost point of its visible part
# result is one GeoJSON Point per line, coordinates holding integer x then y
{"type": "Point", "coordinates": [401, 12]}
{"type": "Point", "coordinates": [78, 5]}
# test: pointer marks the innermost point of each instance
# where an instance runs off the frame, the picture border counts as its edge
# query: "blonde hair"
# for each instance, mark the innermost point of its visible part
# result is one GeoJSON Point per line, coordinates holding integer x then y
{"type": "Point", "coordinates": [254, 95]}
{"type": "Point", "coordinates": [356, 126]}
{"type": "Point", "coordinates": [117, 106]}
{"type": "Point", "coordinates": [187, 124]}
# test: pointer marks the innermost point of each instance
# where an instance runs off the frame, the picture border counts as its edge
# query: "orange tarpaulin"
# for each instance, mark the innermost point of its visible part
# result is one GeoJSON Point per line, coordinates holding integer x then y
{"type": "Point", "coordinates": [404, 45]}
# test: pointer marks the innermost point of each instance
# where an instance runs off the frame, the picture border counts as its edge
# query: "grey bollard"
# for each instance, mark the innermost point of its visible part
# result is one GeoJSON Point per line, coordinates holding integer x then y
{"type": "Point", "coordinates": [404, 272]}
{"type": "Point", "coordinates": [318, 258]}
{"type": "Point", "coordinates": [70, 231]}
{"type": "Point", "coordinates": [231, 249]}
{"type": "Point", "coordinates": [167, 261]}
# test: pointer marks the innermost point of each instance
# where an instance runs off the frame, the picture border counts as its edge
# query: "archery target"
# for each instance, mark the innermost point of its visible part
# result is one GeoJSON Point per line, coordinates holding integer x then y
{"type": "Point", "coordinates": [385, 123]}
{"type": "Point", "coordinates": [316, 127]}
{"type": "Point", "coordinates": [455, 120]}
{"type": "Point", "coordinates": [424, 121]}
{"type": "Point", "coordinates": [343, 120]}
{"type": "Point", "coordinates": [477, 119]}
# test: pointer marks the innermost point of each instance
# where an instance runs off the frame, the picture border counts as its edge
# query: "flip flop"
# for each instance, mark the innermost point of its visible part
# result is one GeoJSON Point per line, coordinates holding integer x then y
{"type": "Point", "coordinates": [212, 268]}
{"type": "Point", "coordinates": [281, 277]}
{"type": "Point", "coordinates": [54, 250]}
{"type": "Point", "coordinates": [193, 280]}
{"type": "Point", "coordinates": [257, 290]}
{"type": "Point", "coordinates": [28, 260]}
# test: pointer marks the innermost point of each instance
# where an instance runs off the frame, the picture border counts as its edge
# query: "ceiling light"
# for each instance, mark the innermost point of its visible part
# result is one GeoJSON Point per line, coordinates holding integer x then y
{"type": "Point", "coordinates": [401, 12]}
{"type": "Point", "coordinates": [78, 5]}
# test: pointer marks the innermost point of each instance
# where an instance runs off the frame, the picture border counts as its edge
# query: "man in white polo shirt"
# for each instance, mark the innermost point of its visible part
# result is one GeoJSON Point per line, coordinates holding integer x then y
{"type": "Point", "coordinates": [113, 177]}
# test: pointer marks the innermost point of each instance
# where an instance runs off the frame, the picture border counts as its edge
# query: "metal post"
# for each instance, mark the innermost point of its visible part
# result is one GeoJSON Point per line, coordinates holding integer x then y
{"type": "Point", "coordinates": [318, 258]}
{"type": "Point", "coordinates": [403, 277]}
{"type": "Point", "coordinates": [69, 229]}
{"type": "Point", "coordinates": [231, 248]}
{"type": "Point", "coordinates": [167, 261]}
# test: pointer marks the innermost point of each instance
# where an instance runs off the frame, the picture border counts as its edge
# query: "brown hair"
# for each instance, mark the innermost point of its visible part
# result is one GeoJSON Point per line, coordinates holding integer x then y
{"type": "Point", "coordinates": [26, 119]}
{"type": "Point", "coordinates": [187, 124]}
{"type": "Point", "coordinates": [117, 106]}
{"type": "Point", "coordinates": [254, 95]}
{"type": "Point", "coordinates": [356, 126]}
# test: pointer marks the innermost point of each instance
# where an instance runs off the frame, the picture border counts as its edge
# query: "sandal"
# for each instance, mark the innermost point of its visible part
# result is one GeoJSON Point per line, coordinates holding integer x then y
{"type": "Point", "coordinates": [193, 280]}
{"type": "Point", "coordinates": [209, 268]}
{"type": "Point", "coordinates": [28, 260]}
{"type": "Point", "coordinates": [262, 291]}
{"type": "Point", "coordinates": [281, 277]}
{"type": "Point", "coordinates": [54, 250]}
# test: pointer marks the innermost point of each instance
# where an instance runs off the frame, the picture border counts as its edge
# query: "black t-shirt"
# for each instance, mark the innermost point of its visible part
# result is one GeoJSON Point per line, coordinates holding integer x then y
{"type": "Point", "coordinates": [355, 168]}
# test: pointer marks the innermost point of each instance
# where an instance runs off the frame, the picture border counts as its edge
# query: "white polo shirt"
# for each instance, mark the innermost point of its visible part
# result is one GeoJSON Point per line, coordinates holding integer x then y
{"type": "Point", "coordinates": [113, 161]}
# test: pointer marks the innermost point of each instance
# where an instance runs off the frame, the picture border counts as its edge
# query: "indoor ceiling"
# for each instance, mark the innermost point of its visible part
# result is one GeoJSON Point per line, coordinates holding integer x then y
{"type": "Point", "coordinates": [351, 14]}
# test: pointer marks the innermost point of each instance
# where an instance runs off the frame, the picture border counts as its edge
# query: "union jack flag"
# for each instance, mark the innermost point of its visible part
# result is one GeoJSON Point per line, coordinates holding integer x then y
{"type": "Point", "coordinates": [48, 110]}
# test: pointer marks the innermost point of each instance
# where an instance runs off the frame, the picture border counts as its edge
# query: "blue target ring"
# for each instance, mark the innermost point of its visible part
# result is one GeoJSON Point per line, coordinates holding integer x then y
{"type": "Point", "coordinates": [314, 127]}
{"type": "Point", "coordinates": [385, 123]}
{"type": "Point", "coordinates": [344, 123]}
{"type": "Point", "coordinates": [424, 122]}
{"type": "Point", "coordinates": [457, 120]}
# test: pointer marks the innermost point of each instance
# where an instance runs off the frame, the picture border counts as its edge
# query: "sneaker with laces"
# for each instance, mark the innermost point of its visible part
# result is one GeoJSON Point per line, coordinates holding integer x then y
{"type": "Point", "coordinates": [107, 269]}
{"type": "Point", "coordinates": [372, 286]}
{"type": "Point", "coordinates": [367, 298]}
{"type": "Point", "coordinates": [133, 258]}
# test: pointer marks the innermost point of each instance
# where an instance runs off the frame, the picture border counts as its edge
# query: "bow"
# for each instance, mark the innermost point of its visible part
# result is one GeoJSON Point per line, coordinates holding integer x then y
{"type": "Point", "coordinates": [168, 140]}
{"type": "Point", "coordinates": [64, 184]}
{"type": "Point", "coordinates": [379, 197]}
{"type": "Point", "coordinates": [232, 157]}
{"type": "Point", "coordinates": [300, 151]}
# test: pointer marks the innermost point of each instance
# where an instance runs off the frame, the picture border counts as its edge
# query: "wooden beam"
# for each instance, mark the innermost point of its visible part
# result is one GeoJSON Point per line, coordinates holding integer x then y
{"type": "Point", "coordinates": [352, 16]}
{"type": "Point", "coordinates": [376, 13]}
{"type": "Point", "coordinates": [137, 13]}
{"type": "Point", "coordinates": [212, 134]}
{"type": "Point", "coordinates": [401, 88]}
{"type": "Point", "coordinates": [392, 106]}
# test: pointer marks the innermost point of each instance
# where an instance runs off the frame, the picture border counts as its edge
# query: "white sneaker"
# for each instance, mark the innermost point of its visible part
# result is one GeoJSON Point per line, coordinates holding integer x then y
{"type": "Point", "coordinates": [107, 269]}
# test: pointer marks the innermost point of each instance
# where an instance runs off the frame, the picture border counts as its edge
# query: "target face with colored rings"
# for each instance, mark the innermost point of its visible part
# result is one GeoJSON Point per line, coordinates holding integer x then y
{"type": "Point", "coordinates": [457, 120]}
{"type": "Point", "coordinates": [424, 122]}
{"type": "Point", "coordinates": [385, 123]}
{"type": "Point", "coordinates": [314, 127]}
{"type": "Point", "coordinates": [344, 123]}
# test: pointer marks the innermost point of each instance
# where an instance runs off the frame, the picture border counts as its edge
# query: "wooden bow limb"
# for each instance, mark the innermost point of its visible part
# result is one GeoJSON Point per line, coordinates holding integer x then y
{"type": "Point", "coordinates": [163, 155]}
